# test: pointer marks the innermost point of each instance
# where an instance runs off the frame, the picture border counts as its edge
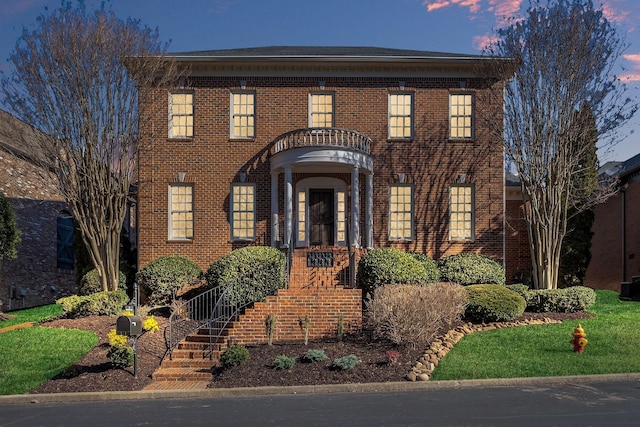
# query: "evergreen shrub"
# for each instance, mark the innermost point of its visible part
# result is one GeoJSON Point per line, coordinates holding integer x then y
{"type": "Point", "coordinates": [162, 277]}
{"type": "Point", "coordinates": [386, 266]}
{"type": "Point", "coordinates": [90, 282]}
{"type": "Point", "coordinates": [494, 303]}
{"type": "Point", "coordinates": [470, 269]}
{"type": "Point", "coordinates": [108, 303]}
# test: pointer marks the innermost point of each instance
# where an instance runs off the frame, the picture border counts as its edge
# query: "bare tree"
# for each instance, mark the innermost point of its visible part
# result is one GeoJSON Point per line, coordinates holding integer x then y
{"type": "Point", "coordinates": [564, 54]}
{"type": "Point", "coordinates": [76, 79]}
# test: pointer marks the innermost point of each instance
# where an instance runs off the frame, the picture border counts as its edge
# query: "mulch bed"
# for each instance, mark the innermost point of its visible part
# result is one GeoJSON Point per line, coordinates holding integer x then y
{"type": "Point", "coordinates": [94, 373]}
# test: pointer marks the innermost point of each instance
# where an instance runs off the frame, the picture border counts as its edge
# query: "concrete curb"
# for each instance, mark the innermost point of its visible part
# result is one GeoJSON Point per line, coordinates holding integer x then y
{"type": "Point", "coordinates": [313, 389]}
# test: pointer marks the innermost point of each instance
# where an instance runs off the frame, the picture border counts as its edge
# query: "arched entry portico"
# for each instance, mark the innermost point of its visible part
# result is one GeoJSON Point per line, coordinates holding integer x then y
{"type": "Point", "coordinates": [324, 206]}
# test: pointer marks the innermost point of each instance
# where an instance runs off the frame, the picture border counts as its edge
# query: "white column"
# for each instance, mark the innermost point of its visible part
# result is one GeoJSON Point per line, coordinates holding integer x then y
{"type": "Point", "coordinates": [355, 208]}
{"type": "Point", "coordinates": [275, 231]}
{"type": "Point", "coordinates": [369, 211]}
{"type": "Point", "coordinates": [288, 205]}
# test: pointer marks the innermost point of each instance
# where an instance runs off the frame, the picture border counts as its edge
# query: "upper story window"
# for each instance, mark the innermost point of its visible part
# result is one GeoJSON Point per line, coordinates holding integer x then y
{"type": "Point", "coordinates": [181, 115]}
{"type": "Point", "coordinates": [321, 110]}
{"type": "Point", "coordinates": [243, 212]}
{"type": "Point", "coordinates": [462, 212]}
{"type": "Point", "coordinates": [181, 212]}
{"type": "Point", "coordinates": [400, 212]}
{"type": "Point", "coordinates": [461, 116]}
{"type": "Point", "coordinates": [400, 115]}
{"type": "Point", "coordinates": [243, 116]}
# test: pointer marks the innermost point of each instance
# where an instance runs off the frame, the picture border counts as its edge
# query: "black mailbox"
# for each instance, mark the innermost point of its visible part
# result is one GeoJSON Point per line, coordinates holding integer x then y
{"type": "Point", "coordinates": [129, 325]}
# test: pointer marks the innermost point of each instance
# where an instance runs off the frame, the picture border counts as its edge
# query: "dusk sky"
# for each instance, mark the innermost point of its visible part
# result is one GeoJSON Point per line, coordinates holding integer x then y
{"type": "Point", "coordinates": [457, 26]}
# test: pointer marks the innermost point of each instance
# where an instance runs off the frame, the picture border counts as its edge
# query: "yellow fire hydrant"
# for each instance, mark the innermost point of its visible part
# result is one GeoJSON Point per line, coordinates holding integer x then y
{"type": "Point", "coordinates": [579, 340]}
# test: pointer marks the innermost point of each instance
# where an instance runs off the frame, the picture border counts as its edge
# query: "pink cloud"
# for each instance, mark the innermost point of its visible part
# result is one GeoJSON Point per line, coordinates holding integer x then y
{"type": "Point", "coordinates": [634, 73]}
{"type": "Point", "coordinates": [473, 5]}
{"type": "Point", "coordinates": [481, 42]}
{"type": "Point", "coordinates": [505, 8]}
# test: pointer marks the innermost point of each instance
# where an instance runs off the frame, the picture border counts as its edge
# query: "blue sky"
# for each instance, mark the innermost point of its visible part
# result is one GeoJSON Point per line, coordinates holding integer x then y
{"type": "Point", "coordinates": [459, 26]}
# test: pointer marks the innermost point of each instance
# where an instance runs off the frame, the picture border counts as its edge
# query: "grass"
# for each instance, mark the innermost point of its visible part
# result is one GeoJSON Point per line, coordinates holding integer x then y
{"type": "Point", "coordinates": [36, 314]}
{"type": "Point", "coordinates": [544, 350]}
{"type": "Point", "coordinates": [32, 356]}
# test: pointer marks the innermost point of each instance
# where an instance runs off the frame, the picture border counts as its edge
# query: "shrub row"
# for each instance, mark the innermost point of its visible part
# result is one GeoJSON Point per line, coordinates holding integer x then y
{"type": "Point", "coordinates": [494, 303]}
{"type": "Point", "coordinates": [571, 299]}
{"type": "Point", "coordinates": [97, 304]}
{"type": "Point", "coordinates": [386, 266]}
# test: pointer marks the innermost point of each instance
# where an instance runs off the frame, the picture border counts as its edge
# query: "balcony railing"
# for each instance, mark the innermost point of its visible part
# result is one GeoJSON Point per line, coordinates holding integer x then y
{"type": "Point", "coordinates": [329, 137]}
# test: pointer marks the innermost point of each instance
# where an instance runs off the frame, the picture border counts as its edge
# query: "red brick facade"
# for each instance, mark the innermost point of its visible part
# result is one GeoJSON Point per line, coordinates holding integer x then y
{"type": "Point", "coordinates": [615, 248]}
{"type": "Point", "coordinates": [430, 161]}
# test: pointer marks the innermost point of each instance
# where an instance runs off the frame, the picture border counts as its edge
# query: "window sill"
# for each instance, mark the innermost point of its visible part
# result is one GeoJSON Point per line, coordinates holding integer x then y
{"type": "Point", "coordinates": [180, 240]}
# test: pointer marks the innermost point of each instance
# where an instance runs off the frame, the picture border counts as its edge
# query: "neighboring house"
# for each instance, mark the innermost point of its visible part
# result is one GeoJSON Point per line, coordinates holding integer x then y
{"type": "Point", "coordinates": [319, 149]}
{"type": "Point", "coordinates": [44, 269]}
{"type": "Point", "coordinates": [615, 248]}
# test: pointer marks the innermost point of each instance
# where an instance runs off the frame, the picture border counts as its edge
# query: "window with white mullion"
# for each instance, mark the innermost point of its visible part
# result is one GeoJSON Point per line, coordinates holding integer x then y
{"type": "Point", "coordinates": [181, 115]}
{"type": "Point", "coordinates": [243, 115]}
{"type": "Point", "coordinates": [243, 212]}
{"type": "Point", "coordinates": [462, 212]}
{"type": "Point", "coordinates": [181, 212]}
{"type": "Point", "coordinates": [461, 116]}
{"type": "Point", "coordinates": [321, 110]}
{"type": "Point", "coordinates": [400, 115]}
{"type": "Point", "coordinates": [401, 212]}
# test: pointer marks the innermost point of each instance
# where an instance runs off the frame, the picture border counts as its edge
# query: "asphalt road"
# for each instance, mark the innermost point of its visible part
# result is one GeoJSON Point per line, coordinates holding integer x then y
{"type": "Point", "coordinates": [581, 403]}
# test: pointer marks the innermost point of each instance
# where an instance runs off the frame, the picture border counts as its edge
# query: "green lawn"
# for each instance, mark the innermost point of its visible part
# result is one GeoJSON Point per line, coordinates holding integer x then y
{"type": "Point", "coordinates": [32, 356]}
{"type": "Point", "coordinates": [36, 314]}
{"type": "Point", "coordinates": [544, 350]}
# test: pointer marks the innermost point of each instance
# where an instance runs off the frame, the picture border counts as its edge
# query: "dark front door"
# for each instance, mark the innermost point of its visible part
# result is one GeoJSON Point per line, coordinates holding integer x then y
{"type": "Point", "coordinates": [321, 217]}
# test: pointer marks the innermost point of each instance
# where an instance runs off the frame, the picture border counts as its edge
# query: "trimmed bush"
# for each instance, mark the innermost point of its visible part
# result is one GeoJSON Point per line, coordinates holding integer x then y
{"type": "Point", "coordinates": [413, 315]}
{"type": "Point", "coordinates": [98, 304]}
{"type": "Point", "coordinates": [387, 266]}
{"type": "Point", "coordinates": [90, 283]}
{"type": "Point", "coordinates": [121, 356]}
{"type": "Point", "coordinates": [494, 303]}
{"type": "Point", "coordinates": [430, 267]}
{"type": "Point", "coordinates": [470, 269]}
{"type": "Point", "coordinates": [162, 277]}
{"type": "Point", "coordinates": [345, 363]}
{"type": "Point", "coordinates": [571, 299]}
{"type": "Point", "coordinates": [283, 362]}
{"type": "Point", "coordinates": [248, 274]}
{"type": "Point", "coordinates": [235, 355]}
{"type": "Point", "coordinates": [315, 356]}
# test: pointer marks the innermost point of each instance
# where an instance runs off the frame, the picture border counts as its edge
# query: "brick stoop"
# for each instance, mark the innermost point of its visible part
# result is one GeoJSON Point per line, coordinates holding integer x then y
{"type": "Point", "coordinates": [189, 366]}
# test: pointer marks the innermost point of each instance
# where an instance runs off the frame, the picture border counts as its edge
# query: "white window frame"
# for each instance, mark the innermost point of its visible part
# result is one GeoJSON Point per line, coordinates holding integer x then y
{"type": "Point", "coordinates": [457, 208]}
{"type": "Point", "coordinates": [313, 114]}
{"type": "Point", "coordinates": [187, 214]}
{"type": "Point", "coordinates": [461, 120]}
{"type": "Point", "coordinates": [249, 212]}
{"type": "Point", "coordinates": [394, 114]}
{"type": "Point", "coordinates": [393, 210]}
{"type": "Point", "coordinates": [186, 118]}
{"type": "Point", "coordinates": [249, 117]}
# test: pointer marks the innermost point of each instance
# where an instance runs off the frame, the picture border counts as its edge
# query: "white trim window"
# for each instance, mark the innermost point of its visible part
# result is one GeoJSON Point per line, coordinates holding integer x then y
{"type": "Point", "coordinates": [462, 212]}
{"type": "Point", "coordinates": [461, 116]}
{"type": "Point", "coordinates": [401, 212]}
{"type": "Point", "coordinates": [243, 211]}
{"type": "Point", "coordinates": [243, 115]}
{"type": "Point", "coordinates": [181, 115]}
{"type": "Point", "coordinates": [401, 115]}
{"type": "Point", "coordinates": [181, 212]}
{"type": "Point", "coordinates": [321, 110]}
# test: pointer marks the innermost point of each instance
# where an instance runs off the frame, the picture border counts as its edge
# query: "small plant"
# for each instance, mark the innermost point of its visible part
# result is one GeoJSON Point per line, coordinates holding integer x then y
{"type": "Point", "coordinates": [345, 363]}
{"type": "Point", "coordinates": [150, 324]}
{"type": "Point", "coordinates": [116, 340]}
{"type": "Point", "coordinates": [120, 354]}
{"type": "Point", "coordinates": [304, 325]}
{"type": "Point", "coordinates": [121, 357]}
{"type": "Point", "coordinates": [282, 362]}
{"type": "Point", "coordinates": [340, 327]}
{"type": "Point", "coordinates": [315, 356]}
{"type": "Point", "coordinates": [494, 303]}
{"type": "Point", "coordinates": [270, 325]}
{"type": "Point", "coordinates": [392, 357]}
{"type": "Point", "coordinates": [235, 355]}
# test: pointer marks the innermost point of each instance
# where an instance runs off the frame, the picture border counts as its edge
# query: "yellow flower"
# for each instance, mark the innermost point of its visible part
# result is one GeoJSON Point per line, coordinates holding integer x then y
{"type": "Point", "coordinates": [116, 340]}
{"type": "Point", "coordinates": [150, 324]}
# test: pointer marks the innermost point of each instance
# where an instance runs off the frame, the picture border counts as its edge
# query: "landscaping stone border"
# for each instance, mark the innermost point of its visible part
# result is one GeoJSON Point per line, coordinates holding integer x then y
{"type": "Point", "coordinates": [439, 348]}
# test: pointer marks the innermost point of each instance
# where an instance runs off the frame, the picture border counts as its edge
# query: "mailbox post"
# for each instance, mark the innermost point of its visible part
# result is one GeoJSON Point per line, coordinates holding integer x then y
{"type": "Point", "coordinates": [130, 326]}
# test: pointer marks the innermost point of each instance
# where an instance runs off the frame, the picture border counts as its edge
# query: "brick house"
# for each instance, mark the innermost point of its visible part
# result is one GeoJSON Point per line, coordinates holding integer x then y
{"type": "Point", "coordinates": [44, 269]}
{"type": "Point", "coordinates": [615, 248]}
{"type": "Point", "coordinates": [319, 149]}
